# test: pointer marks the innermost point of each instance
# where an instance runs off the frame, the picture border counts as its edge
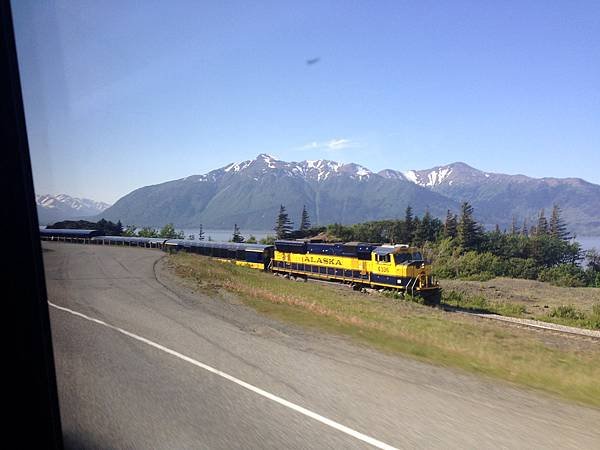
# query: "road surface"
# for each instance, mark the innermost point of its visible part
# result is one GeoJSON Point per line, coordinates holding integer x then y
{"type": "Point", "coordinates": [143, 363]}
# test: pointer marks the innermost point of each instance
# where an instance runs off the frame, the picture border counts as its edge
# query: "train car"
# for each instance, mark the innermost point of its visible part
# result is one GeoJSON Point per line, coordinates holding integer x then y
{"type": "Point", "coordinates": [398, 267]}
{"type": "Point", "coordinates": [130, 241]}
{"type": "Point", "coordinates": [255, 256]}
{"type": "Point", "coordinates": [68, 235]}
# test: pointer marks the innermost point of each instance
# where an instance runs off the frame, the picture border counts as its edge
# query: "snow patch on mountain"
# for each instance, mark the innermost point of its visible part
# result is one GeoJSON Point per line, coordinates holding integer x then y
{"type": "Point", "coordinates": [437, 177]}
{"type": "Point", "coordinates": [65, 201]}
{"type": "Point", "coordinates": [237, 167]}
{"type": "Point", "coordinates": [310, 170]}
{"type": "Point", "coordinates": [411, 175]}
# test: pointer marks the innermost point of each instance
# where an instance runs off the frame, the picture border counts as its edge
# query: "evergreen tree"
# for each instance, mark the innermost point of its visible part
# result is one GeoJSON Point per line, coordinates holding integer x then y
{"type": "Point", "coordinates": [409, 225]}
{"type": "Point", "coordinates": [524, 230]}
{"type": "Point", "coordinates": [424, 231]}
{"type": "Point", "coordinates": [130, 231]}
{"type": "Point", "coordinates": [283, 225]}
{"type": "Point", "coordinates": [305, 220]}
{"type": "Point", "coordinates": [168, 231]}
{"type": "Point", "coordinates": [201, 233]}
{"type": "Point", "coordinates": [237, 237]}
{"type": "Point", "coordinates": [468, 230]}
{"type": "Point", "coordinates": [592, 258]}
{"type": "Point", "coordinates": [558, 228]}
{"type": "Point", "coordinates": [542, 225]}
{"type": "Point", "coordinates": [450, 225]}
{"type": "Point", "coordinates": [513, 227]}
{"type": "Point", "coordinates": [149, 232]}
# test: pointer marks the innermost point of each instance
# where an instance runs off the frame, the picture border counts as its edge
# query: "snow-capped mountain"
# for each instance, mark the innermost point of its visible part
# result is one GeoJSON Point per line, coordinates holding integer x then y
{"type": "Point", "coordinates": [250, 192]}
{"type": "Point", "coordinates": [317, 170]}
{"type": "Point", "coordinates": [498, 197]}
{"type": "Point", "coordinates": [447, 175]}
{"type": "Point", "coordinates": [52, 208]}
{"type": "Point", "coordinates": [392, 174]}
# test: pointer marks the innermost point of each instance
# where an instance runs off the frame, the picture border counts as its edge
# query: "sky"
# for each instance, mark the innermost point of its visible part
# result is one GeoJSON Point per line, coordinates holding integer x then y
{"type": "Point", "coordinates": [123, 94]}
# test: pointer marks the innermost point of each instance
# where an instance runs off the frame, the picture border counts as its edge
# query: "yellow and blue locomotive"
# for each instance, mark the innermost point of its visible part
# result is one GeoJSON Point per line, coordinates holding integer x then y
{"type": "Point", "coordinates": [398, 267]}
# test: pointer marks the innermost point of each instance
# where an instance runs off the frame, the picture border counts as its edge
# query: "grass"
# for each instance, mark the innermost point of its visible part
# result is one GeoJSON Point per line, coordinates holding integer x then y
{"type": "Point", "coordinates": [570, 315]}
{"type": "Point", "coordinates": [578, 307]}
{"type": "Point", "coordinates": [478, 303]}
{"type": "Point", "coordinates": [400, 327]}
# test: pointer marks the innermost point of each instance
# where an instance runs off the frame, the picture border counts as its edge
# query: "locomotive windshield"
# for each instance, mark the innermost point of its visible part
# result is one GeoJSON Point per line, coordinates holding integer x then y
{"type": "Point", "coordinates": [400, 258]}
{"type": "Point", "coordinates": [416, 256]}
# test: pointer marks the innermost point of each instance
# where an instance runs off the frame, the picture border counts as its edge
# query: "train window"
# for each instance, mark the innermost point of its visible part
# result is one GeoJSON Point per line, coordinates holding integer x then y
{"type": "Point", "coordinates": [383, 258]}
{"type": "Point", "coordinates": [400, 258]}
{"type": "Point", "coordinates": [149, 119]}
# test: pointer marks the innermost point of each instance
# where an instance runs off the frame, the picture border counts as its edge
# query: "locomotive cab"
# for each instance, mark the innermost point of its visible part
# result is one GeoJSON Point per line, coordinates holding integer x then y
{"type": "Point", "coordinates": [404, 267]}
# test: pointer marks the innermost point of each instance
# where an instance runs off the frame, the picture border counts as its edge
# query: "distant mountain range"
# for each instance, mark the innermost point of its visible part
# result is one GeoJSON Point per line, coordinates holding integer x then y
{"type": "Point", "coordinates": [498, 197]}
{"type": "Point", "coordinates": [249, 193]}
{"type": "Point", "coordinates": [52, 208]}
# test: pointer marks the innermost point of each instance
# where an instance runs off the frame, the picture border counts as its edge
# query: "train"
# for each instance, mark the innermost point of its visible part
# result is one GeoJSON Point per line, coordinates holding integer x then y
{"type": "Point", "coordinates": [396, 267]}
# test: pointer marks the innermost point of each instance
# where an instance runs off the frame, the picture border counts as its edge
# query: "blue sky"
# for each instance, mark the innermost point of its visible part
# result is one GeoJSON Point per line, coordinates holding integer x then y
{"type": "Point", "coordinates": [123, 94]}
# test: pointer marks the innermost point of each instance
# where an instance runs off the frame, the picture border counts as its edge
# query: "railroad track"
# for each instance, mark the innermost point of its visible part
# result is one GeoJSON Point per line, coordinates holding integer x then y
{"type": "Point", "coordinates": [531, 323]}
{"type": "Point", "coordinates": [523, 323]}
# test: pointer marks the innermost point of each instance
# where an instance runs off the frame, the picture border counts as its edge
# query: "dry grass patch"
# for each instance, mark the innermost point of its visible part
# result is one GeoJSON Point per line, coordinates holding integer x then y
{"type": "Point", "coordinates": [397, 326]}
{"type": "Point", "coordinates": [534, 299]}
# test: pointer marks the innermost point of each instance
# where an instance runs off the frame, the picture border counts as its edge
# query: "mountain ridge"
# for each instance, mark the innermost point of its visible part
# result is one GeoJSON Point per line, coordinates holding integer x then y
{"type": "Point", "coordinates": [55, 207]}
{"type": "Point", "coordinates": [249, 193]}
{"type": "Point", "coordinates": [498, 197]}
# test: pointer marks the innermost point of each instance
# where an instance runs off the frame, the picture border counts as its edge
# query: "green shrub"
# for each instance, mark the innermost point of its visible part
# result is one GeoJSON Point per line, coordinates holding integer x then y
{"type": "Point", "coordinates": [473, 263]}
{"type": "Point", "coordinates": [460, 300]}
{"type": "Point", "coordinates": [567, 312]}
{"type": "Point", "coordinates": [452, 297]}
{"type": "Point", "coordinates": [569, 315]}
{"type": "Point", "coordinates": [509, 309]}
{"type": "Point", "coordinates": [567, 275]}
{"type": "Point", "coordinates": [594, 316]}
{"type": "Point", "coordinates": [482, 276]}
{"type": "Point", "coordinates": [403, 296]}
{"type": "Point", "coordinates": [522, 268]}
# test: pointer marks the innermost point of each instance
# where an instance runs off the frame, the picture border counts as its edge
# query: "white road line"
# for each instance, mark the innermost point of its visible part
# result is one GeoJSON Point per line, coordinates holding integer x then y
{"type": "Point", "coordinates": [331, 423]}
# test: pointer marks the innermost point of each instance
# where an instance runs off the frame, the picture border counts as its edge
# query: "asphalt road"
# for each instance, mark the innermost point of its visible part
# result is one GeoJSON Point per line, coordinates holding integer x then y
{"type": "Point", "coordinates": [118, 391]}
